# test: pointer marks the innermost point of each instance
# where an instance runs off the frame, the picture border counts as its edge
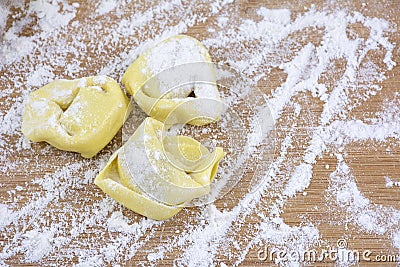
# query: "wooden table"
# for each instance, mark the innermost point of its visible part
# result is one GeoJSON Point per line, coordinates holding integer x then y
{"type": "Point", "coordinates": [74, 213]}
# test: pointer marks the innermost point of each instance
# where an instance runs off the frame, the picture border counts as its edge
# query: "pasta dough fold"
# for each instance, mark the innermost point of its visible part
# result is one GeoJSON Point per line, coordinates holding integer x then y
{"type": "Point", "coordinates": [175, 71]}
{"type": "Point", "coordinates": [81, 115]}
{"type": "Point", "coordinates": [155, 175]}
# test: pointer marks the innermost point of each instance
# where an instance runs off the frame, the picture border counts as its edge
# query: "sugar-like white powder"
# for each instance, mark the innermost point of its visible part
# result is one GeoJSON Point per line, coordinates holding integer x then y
{"type": "Point", "coordinates": [62, 217]}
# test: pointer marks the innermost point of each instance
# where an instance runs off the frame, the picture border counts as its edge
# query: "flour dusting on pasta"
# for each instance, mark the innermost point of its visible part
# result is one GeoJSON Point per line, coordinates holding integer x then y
{"type": "Point", "coordinates": [316, 70]}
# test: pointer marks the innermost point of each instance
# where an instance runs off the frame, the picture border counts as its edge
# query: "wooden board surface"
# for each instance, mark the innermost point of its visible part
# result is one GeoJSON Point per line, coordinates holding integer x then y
{"type": "Point", "coordinates": [74, 194]}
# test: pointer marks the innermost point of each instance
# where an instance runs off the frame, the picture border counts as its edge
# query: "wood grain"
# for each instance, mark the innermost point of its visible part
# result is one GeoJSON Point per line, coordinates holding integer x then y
{"type": "Point", "coordinates": [370, 162]}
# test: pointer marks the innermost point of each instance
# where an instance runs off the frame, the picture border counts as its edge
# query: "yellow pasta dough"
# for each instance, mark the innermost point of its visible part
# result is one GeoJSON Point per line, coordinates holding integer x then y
{"type": "Point", "coordinates": [155, 175]}
{"type": "Point", "coordinates": [131, 197]}
{"type": "Point", "coordinates": [168, 74]}
{"type": "Point", "coordinates": [81, 115]}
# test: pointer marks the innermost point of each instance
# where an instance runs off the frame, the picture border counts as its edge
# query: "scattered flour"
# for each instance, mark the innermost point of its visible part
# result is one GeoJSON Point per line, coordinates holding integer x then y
{"type": "Point", "coordinates": [391, 183]}
{"type": "Point", "coordinates": [35, 245]}
{"type": "Point", "coordinates": [396, 240]}
{"type": "Point", "coordinates": [65, 219]}
{"type": "Point", "coordinates": [49, 16]}
{"type": "Point", "coordinates": [106, 6]}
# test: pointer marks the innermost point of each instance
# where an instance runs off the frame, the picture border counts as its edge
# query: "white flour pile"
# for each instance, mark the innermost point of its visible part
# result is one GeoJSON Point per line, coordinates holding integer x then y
{"type": "Point", "coordinates": [60, 217]}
